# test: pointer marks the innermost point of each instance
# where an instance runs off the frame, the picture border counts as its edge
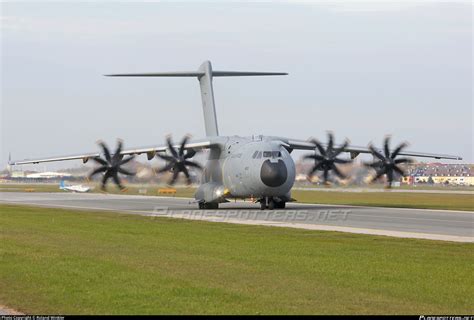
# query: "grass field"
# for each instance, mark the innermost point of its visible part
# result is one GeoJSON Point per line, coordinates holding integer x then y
{"type": "Point", "coordinates": [447, 201]}
{"type": "Point", "coordinates": [74, 262]}
{"type": "Point", "coordinates": [131, 189]}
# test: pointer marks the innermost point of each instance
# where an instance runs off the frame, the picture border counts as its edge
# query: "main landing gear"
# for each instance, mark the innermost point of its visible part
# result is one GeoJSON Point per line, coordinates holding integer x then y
{"type": "Point", "coordinates": [208, 205]}
{"type": "Point", "coordinates": [270, 204]}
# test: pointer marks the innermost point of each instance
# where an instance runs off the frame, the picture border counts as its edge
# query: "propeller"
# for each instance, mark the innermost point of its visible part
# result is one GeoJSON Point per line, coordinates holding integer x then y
{"type": "Point", "coordinates": [327, 158]}
{"type": "Point", "coordinates": [111, 166]}
{"type": "Point", "coordinates": [178, 160]}
{"type": "Point", "coordinates": [387, 163]}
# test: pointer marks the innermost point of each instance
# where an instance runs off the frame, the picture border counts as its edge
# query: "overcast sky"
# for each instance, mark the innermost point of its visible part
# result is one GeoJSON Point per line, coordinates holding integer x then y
{"type": "Point", "coordinates": [362, 70]}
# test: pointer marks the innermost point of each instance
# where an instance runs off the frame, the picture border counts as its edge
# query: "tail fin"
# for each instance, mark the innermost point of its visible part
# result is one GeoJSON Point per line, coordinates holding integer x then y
{"type": "Point", "coordinates": [61, 184]}
{"type": "Point", "coordinates": [204, 75]}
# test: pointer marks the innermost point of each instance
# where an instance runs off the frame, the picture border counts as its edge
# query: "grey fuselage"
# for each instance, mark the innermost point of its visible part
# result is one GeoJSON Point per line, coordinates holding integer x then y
{"type": "Point", "coordinates": [247, 167]}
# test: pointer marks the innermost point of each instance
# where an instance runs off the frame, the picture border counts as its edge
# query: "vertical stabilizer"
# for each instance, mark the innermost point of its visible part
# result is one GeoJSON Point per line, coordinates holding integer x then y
{"type": "Point", "coordinates": [207, 96]}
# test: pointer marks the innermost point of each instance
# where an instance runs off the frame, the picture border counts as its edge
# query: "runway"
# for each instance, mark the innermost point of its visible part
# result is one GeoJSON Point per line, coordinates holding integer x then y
{"type": "Point", "coordinates": [405, 223]}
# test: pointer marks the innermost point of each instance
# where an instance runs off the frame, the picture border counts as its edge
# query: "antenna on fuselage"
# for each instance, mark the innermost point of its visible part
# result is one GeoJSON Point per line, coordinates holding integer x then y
{"type": "Point", "coordinates": [204, 75]}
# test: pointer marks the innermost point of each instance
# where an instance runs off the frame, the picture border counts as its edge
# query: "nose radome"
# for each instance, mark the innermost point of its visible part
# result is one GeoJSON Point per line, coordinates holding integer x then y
{"type": "Point", "coordinates": [273, 174]}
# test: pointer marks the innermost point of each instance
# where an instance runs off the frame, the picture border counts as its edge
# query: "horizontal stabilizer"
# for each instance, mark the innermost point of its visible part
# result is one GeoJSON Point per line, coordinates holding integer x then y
{"type": "Point", "coordinates": [198, 74]}
{"type": "Point", "coordinates": [245, 73]}
{"type": "Point", "coordinates": [159, 74]}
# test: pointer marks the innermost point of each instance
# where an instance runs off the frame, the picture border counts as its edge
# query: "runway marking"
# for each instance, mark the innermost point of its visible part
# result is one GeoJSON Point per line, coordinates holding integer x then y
{"type": "Point", "coordinates": [362, 190]}
{"type": "Point", "coordinates": [375, 215]}
{"type": "Point", "coordinates": [124, 196]}
{"type": "Point", "coordinates": [377, 232]}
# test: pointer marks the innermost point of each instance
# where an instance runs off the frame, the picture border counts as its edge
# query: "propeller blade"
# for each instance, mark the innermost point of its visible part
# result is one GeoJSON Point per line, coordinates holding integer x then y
{"type": "Point", "coordinates": [402, 160]}
{"type": "Point", "coordinates": [116, 157]}
{"type": "Point", "coordinates": [100, 161]}
{"type": "Point", "coordinates": [341, 148]}
{"type": "Point", "coordinates": [174, 178]}
{"type": "Point", "coordinates": [389, 177]}
{"type": "Point", "coordinates": [325, 175]}
{"type": "Point", "coordinates": [167, 167]}
{"type": "Point", "coordinates": [172, 149]}
{"type": "Point", "coordinates": [338, 173]}
{"type": "Point", "coordinates": [183, 144]}
{"type": "Point", "coordinates": [186, 173]}
{"type": "Point", "coordinates": [376, 164]}
{"type": "Point", "coordinates": [342, 161]}
{"type": "Point", "coordinates": [191, 153]}
{"type": "Point", "coordinates": [126, 172]}
{"type": "Point", "coordinates": [106, 151]}
{"type": "Point", "coordinates": [117, 181]}
{"type": "Point", "coordinates": [398, 149]}
{"type": "Point", "coordinates": [330, 141]}
{"type": "Point", "coordinates": [314, 157]}
{"type": "Point", "coordinates": [317, 167]}
{"type": "Point", "coordinates": [166, 157]}
{"type": "Point", "coordinates": [399, 171]}
{"type": "Point", "coordinates": [386, 147]}
{"type": "Point", "coordinates": [126, 160]}
{"type": "Point", "coordinates": [106, 177]}
{"type": "Point", "coordinates": [378, 175]}
{"type": "Point", "coordinates": [376, 153]}
{"type": "Point", "coordinates": [98, 170]}
{"type": "Point", "coordinates": [193, 164]}
{"type": "Point", "coordinates": [320, 148]}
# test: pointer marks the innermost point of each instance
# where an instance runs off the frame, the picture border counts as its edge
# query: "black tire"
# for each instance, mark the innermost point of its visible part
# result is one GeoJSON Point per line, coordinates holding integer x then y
{"type": "Point", "coordinates": [271, 204]}
{"type": "Point", "coordinates": [281, 205]}
{"type": "Point", "coordinates": [208, 205]}
{"type": "Point", "coordinates": [263, 205]}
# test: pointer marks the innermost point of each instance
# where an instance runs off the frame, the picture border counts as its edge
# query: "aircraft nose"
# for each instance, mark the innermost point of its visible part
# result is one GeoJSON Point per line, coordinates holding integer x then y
{"type": "Point", "coordinates": [273, 174]}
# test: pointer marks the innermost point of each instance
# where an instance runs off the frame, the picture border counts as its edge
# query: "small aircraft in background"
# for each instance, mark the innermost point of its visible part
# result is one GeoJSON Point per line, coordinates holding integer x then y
{"type": "Point", "coordinates": [74, 188]}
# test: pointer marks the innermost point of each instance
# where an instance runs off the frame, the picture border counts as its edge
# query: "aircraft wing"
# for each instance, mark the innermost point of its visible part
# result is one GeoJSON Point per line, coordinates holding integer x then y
{"type": "Point", "coordinates": [355, 150]}
{"type": "Point", "coordinates": [150, 152]}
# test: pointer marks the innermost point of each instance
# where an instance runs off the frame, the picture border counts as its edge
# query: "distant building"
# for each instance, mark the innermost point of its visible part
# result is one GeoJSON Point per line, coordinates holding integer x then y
{"type": "Point", "coordinates": [47, 175]}
{"type": "Point", "coordinates": [439, 173]}
{"type": "Point", "coordinates": [17, 174]}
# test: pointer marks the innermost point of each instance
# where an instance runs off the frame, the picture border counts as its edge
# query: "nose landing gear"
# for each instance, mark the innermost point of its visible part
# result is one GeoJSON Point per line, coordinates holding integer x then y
{"type": "Point", "coordinates": [270, 203]}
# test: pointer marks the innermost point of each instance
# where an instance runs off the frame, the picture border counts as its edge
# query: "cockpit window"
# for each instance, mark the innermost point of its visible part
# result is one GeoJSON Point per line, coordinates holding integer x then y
{"type": "Point", "coordinates": [271, 154]}
{"type": "Point", "coordinates": [255, 154]}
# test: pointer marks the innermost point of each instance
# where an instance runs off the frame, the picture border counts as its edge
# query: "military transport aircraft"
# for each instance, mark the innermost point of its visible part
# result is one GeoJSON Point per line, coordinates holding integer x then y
{"type": "Point", "coordinates": [257, 167]}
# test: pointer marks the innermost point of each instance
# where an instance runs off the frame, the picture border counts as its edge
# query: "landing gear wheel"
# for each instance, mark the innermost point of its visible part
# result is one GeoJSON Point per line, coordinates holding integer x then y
{"type": "Point", "coordinates": [271, 204]}
{"type": "Point", "coordinates": [263, 204]}
{"type": "Point", "coordinates": [208, 205]}
{"type": "Point", "coordinates": [281, 205]}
